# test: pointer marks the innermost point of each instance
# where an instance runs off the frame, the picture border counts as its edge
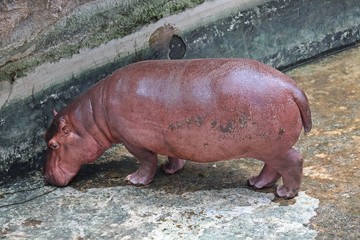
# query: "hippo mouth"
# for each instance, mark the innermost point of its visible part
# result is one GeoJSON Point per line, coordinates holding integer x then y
{"type": "Point", "coordinates": [58, 176]}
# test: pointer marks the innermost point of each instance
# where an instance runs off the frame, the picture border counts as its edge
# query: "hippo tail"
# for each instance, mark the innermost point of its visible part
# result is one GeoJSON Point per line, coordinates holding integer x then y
{"type": "Point", "coordinates": [304, 107]}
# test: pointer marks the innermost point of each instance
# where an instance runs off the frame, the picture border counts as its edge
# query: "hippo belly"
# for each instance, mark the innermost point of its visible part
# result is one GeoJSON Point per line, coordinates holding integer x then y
{"type": "Point", "coordinates": [219, 137]}
{"type": "Point", "coordinates": [219, 134]}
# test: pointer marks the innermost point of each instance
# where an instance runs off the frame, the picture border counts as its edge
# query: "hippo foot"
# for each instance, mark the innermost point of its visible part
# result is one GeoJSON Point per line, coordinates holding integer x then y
{"type": "Point", "coordinates": [258, 183]}
{"type": "Point", "coordinates": [267, 178]}
{"type": "Point", "coordinates": [139, 179]}
{"type": "Point", "coordinates": [286, 193]}
{"type": "Point", "coordinates": [173, 165]}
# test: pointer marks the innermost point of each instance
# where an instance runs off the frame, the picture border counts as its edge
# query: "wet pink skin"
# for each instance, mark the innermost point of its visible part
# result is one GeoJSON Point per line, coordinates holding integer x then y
{"type": "Point", "coordinates": [203, 110]}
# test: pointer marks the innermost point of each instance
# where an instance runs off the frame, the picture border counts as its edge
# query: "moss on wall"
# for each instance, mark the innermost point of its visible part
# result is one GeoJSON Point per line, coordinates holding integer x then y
{"type": "Point", "coordinates": [91, 28]}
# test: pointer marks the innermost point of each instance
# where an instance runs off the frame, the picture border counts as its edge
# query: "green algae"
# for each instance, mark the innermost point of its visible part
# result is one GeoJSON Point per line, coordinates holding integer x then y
{"type": "Point", "coordinates": [90, 29]}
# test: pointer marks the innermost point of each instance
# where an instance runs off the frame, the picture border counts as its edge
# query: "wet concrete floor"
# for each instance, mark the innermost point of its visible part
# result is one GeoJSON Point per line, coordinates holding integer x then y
{"type": "Point", "coordinates": [332, 149]}
{"type": "Point", "coordinates": [331, 175]}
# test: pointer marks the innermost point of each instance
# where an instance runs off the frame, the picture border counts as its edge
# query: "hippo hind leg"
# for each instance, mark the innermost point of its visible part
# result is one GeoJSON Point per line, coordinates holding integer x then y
{"type": "Point", "coordinates": [291, 170]}
{"type": "Point", "coordinates": [289, 167]}
{"type": "Point", "coordinates": [148, 165]}
{"type": "Point", "coordinates": [173, 165]}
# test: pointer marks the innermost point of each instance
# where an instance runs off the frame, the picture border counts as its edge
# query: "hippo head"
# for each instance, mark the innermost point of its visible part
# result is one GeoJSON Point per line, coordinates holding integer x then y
{"type": "Point", "coordinates": [68, 148]}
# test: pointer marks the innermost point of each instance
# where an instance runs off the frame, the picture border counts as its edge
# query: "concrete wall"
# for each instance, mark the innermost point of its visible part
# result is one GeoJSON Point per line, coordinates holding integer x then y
{"type": "Point", "coordinates": [53, 52]}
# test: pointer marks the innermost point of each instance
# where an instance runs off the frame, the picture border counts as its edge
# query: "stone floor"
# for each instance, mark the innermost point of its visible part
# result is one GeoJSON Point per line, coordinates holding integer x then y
{"type": "Point", "coordinates": [332, 149]}
{"type": "Point", "coordinates": [211, 201]}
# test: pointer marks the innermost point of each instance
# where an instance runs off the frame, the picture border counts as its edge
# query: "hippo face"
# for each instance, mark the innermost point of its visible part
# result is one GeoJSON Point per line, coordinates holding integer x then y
{"type": "Point", "coordinates": [67, 150]}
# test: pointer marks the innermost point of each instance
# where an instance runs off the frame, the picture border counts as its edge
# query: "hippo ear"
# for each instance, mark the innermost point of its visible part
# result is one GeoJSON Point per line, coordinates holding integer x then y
{"type": "Point", "coordinates": [64, 128]}
{"type": "Point", "coordinates": [53, 144]}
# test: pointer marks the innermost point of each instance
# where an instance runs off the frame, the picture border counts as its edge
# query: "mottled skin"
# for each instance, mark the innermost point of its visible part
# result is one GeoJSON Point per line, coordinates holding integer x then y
{"type": "Point", "coordinates": [200, 110]}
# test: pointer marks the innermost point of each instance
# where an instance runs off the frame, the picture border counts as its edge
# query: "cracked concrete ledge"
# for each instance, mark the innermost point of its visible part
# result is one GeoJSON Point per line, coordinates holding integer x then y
{"type": "Point", "coordinates": [129, 212]}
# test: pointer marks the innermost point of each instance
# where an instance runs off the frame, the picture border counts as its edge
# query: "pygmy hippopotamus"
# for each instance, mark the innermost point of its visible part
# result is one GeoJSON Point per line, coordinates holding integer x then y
{"type": "Point", "coordinates": [203, 110]}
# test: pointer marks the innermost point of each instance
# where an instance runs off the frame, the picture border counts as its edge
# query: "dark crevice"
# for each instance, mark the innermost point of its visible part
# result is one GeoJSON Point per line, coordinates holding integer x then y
{"type": "Point", "coordinates": [318, 56]}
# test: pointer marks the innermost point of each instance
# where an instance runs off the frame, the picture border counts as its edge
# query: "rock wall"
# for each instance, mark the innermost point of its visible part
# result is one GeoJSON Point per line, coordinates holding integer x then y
{"type": "Point", "coordinates": [51, 52]}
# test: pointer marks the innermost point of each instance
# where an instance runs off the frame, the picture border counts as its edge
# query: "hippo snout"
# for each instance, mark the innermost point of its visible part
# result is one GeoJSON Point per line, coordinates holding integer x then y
{"type": "Point", "coordinates": [56, 176]}
{"type": "Point", "coordinates": [59, 181]}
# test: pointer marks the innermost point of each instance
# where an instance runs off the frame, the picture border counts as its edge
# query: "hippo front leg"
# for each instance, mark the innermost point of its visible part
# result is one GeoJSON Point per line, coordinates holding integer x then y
{"type": "Point", "coordinates": [148, 165]}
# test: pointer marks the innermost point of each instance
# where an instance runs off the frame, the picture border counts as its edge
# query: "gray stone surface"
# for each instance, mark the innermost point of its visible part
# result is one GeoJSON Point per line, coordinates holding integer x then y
{"type": "Point", "coordinates": [128, 212]}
